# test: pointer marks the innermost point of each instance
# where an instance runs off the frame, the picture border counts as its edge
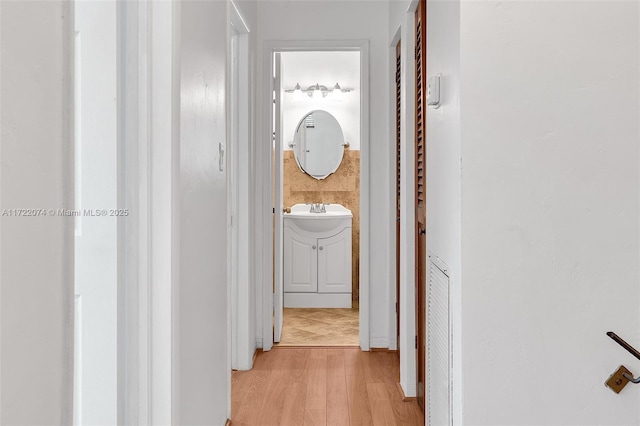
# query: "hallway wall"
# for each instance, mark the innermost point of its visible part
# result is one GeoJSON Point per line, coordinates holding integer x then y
{"type": "Point", "coordinates": [36, 166]}
{"type": "Point", "coordinates": [201, 368]}
{"type": "Point", "coordinates": [345, 20]}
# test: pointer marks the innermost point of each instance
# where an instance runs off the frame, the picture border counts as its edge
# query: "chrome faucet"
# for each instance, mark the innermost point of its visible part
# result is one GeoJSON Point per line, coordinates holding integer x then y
{"type": "Point", "coordinates": [318, 208]}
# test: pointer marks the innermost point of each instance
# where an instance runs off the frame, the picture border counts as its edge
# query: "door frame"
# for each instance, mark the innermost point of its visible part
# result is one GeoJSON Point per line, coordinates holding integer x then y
{"type": "Point", "coordinates": [239, 193]}
{"type": "Point", "coordinates": [405, 32]}
{"type": "Point", "coordinates": [147, 33]}
{"type": "Point", "coordinates": [264, 153]}
{"type": "Point", "coordinates": [420, 236]}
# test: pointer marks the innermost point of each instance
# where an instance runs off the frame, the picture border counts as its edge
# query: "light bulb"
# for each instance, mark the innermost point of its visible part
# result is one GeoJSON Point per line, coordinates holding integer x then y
{"type": "Point", "coordinates": [317, 93]}
{"type": "Point", "coordinates": [297, 92]}
{"type": "Point", "coordinates": [336, 94]}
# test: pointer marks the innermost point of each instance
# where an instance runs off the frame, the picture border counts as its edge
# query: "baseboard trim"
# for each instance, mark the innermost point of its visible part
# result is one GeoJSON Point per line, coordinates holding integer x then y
{"type": "Point", "coordinates": [402, 395]}
{"type": "Point", "coordinates": [379, 342]}
{"type": "Point", "coordinates": [383, 350]}
{"type": "Point", "coordinates": [276, 346]}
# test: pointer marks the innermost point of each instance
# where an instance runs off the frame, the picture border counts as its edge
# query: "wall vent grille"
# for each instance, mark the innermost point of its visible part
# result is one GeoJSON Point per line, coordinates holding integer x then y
{"type": "Point", "coordinates": [438, 345]}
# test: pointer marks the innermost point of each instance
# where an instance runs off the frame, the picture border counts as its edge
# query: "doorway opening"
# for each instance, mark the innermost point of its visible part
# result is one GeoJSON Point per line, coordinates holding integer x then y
{"type": "Point", "coordinates": [320, 166]}
{"type": "Point", "coordinates": [319, 148]}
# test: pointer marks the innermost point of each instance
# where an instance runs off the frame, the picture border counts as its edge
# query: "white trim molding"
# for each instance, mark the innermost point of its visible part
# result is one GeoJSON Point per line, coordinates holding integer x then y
{"type": "Point", "coordinates": [407, 206]}
{"type": "Point", "coordinates": [264, 181]}
{"type": "Point", "coordinates": [149, 87]}
{"type": "Point", "coordinates": [239, 123]}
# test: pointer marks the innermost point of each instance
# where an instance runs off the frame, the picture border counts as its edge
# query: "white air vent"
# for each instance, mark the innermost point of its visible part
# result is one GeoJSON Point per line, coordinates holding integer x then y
{"type": "Point", "coordinates": [438, 345]}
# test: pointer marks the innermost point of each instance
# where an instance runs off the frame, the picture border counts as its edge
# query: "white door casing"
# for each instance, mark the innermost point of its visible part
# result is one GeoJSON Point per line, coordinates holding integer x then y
{"type": "Point", "coordinates": [96, 227]}
{"type": "Point", "coordinates": [265, 222]}
{"type": "Point", "coordinates": [239, 122]}
{"type": "Point", "coordinates": [277, 230]}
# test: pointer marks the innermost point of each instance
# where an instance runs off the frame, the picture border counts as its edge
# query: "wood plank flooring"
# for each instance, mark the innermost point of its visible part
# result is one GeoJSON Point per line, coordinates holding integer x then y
{"type": "Point", "coordinates": [320, 327]}
{"type": "Point", "coordinates": [321, 386]}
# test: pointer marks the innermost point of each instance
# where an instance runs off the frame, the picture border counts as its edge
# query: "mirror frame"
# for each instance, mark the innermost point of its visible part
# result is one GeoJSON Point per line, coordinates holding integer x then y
{"type": "Point", "coordinates": [294, 144]}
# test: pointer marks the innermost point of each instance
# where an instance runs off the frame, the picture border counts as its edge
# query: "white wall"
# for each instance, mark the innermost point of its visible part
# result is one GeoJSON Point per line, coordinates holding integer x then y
{"type": "Point", "coordinates": [324, 68]}
{"type": "Point", "coordinates": [549, 122]}
{"type": "Point", "coordinates": [280, 20]}
{"type": "Point", "coordinates": [444, 207]}
{"type": "Point", "coordinates": [36, 269]}
{"type": "Point", "coordinates": [201, 366]}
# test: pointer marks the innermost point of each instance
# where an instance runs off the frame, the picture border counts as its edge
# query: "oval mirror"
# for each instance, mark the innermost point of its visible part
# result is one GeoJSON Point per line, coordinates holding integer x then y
{"type": "Point", "coordinates": [318, 144]}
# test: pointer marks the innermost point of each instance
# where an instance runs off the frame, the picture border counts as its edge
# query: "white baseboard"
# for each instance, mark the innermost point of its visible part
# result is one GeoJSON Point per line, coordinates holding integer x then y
{"type": "Point", "coordinates": [409, 389]}
{"type": "Point", "coordinates": [379, 342]}
{"type": "Point", "coordinates": [259, 344]}
{"type": "Point", "coordinates": [317, 300]}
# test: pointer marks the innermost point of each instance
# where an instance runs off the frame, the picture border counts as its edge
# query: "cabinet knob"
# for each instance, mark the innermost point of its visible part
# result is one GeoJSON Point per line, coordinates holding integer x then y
{"type": "Point", "coordinates": [313, 247]}
{"type": "Point", "coordinates": [321, 247]}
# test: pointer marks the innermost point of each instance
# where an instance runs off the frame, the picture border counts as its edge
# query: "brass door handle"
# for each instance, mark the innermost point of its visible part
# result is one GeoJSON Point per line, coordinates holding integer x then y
{"type": "Point", "coordinates": [286, 210]}
{"type": "Point", "coordinates": [619, 379]}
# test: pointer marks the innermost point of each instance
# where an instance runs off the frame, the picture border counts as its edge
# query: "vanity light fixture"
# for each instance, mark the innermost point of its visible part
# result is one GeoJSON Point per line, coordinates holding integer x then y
{"type": "Point", "coordinates": [318, 91]}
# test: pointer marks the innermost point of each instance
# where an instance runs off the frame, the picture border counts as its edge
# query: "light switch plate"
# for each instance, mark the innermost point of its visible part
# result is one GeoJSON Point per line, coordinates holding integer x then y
{"type": "Point", "coordinates": [433, 91]}
{"type": "Point", "coordinates": [221, 156]}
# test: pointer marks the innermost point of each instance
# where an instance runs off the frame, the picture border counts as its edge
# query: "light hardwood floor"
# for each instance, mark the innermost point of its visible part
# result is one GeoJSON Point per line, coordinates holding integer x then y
{"type": "Point", "coordinates": [321, 386]}
{"type": "Point", "coordinates": [320, 327]}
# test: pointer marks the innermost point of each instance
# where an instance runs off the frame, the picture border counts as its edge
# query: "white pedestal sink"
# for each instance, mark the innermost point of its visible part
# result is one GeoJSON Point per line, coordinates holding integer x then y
{"type": "Point", "coordinates": [333, 218]}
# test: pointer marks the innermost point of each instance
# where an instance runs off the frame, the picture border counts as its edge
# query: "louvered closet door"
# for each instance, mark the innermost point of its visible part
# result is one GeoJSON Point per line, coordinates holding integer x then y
{"type": "Point", "coordinates": [420, 183]}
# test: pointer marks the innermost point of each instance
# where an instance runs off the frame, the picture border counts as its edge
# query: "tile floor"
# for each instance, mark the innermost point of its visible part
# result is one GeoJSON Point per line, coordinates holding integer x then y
{"type": "Point", "coordinates": [319, 327]}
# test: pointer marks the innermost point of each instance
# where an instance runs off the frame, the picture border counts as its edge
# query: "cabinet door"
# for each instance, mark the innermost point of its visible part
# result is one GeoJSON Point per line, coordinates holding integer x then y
{"type": "Point", "coordinates": [300, 263]}
{"type": "Point", "coordinates": [334, 263]}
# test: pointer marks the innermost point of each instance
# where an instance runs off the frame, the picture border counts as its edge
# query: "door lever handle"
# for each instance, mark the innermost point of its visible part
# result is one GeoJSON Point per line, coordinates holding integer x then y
{"type": "Point", "coordinates": [619, 379]}
{"type": "Point", "coordinates": [630, 378]}
{"type": "Point", "coordinates": [633, 351]}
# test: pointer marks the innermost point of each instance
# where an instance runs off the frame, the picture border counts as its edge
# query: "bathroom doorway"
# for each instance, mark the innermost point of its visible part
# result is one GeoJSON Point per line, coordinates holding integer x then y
{"type": "Point", "coordinates": [318, 295]}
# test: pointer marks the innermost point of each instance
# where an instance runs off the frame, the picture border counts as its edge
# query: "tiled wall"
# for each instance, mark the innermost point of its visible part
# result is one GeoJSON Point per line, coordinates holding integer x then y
{"type": "Point", "coordinates": [342, 187]}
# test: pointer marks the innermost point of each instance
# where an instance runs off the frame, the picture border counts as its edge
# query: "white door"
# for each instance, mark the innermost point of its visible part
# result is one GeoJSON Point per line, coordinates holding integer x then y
{"type": "Point", "coordinates": [96, 179]}
{"type": "Point", "coordinates": [334, 263]}
{"type": "Point", "coordinates": [301, 265]}
{"type": "Point", "coordinates": [277, 217]}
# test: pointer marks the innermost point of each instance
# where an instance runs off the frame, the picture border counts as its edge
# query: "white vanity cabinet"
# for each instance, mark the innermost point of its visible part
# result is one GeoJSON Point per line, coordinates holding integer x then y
{"type": "Point", "coordinates": [317, 262]}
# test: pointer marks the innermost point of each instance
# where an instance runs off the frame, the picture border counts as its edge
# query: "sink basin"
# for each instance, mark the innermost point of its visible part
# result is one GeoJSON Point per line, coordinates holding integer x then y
{"type": "Point", "coordinates": [334, 217]}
